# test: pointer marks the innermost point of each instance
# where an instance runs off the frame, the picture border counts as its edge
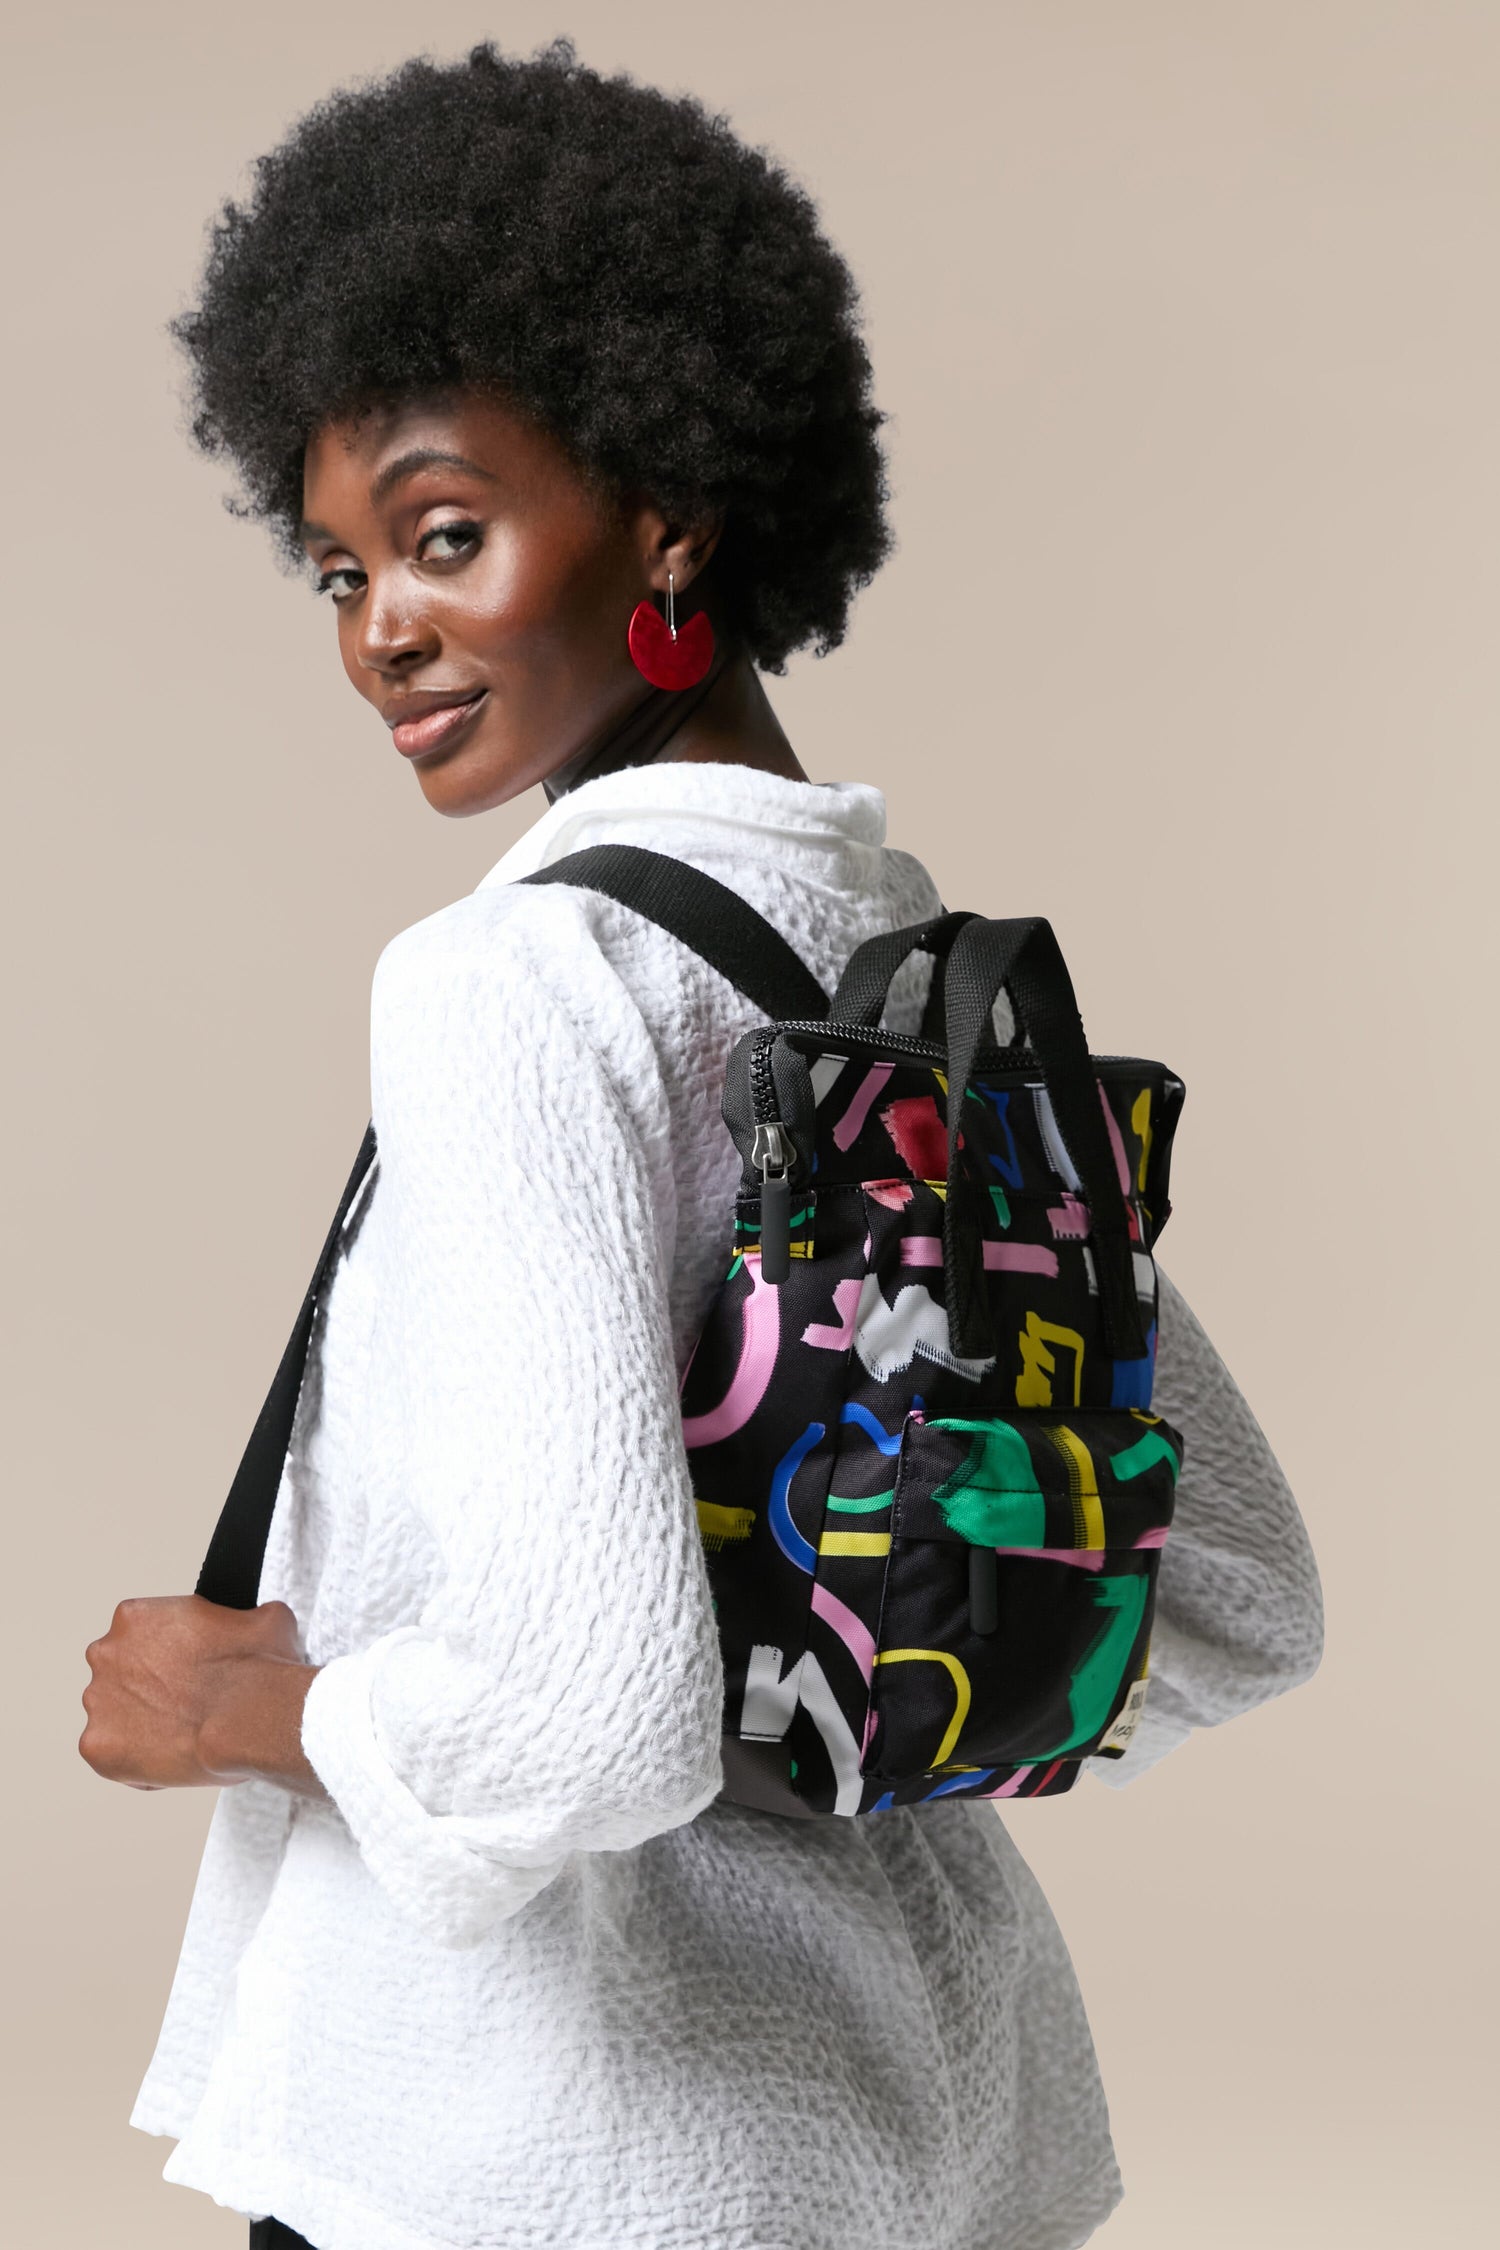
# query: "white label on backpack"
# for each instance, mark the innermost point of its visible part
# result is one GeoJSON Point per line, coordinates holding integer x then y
{"type": "Point", "coordinates": [1125, 1724]}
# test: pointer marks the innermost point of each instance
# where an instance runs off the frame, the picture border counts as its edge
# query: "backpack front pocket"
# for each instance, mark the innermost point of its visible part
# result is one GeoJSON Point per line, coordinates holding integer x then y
{"type": "Point", "coordinates": [1020, 1587]}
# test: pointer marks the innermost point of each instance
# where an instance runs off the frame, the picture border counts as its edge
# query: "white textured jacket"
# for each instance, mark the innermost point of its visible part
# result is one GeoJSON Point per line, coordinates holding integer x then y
{"type": "Point", "coordinates": [521, 1983]}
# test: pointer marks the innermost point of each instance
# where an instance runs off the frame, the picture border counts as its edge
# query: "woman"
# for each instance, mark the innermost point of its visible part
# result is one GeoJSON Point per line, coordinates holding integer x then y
{"type": "Point", "coordinates": [477, 1956]}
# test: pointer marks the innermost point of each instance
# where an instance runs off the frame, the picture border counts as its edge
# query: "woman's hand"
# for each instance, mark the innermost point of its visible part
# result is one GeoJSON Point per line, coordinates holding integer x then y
{"type": "Point", "coordinates": [187, 1694]}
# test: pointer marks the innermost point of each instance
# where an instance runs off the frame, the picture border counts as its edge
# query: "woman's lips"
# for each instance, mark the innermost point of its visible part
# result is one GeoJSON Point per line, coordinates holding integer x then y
{"type": "Point", "coordinates": [436, 730]}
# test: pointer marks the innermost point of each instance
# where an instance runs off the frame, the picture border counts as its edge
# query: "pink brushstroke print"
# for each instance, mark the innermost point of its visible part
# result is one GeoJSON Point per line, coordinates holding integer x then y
{"type": "Point", "coordinates": [836, 1335]}
{"type": "Point", "coordinates": [999, 1257]}
{"type": "Point", "coordinates": [850, 1125]}
{"type": "Point", "coordinates": [759, 1340]}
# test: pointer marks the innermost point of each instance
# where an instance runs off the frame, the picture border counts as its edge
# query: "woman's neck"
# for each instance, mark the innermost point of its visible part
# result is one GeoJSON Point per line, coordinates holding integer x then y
{"type": "Point", "coordinates": [727, 722]}
{"type": "Point", "coordinates": [735, 726]}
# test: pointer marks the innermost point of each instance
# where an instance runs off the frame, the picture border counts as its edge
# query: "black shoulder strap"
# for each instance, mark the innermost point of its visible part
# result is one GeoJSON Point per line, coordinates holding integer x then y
{"type": "Point", "coordinates": [231, 1568]}
{"type": "Point", "coordinates": [706, 915]}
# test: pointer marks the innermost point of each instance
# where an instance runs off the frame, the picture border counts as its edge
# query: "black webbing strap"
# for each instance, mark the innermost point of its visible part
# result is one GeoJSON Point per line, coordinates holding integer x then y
{"type": "Point", "coordinates": [231, 1568]}
{"type": "Point", "coordinates": [704, 914]}
{"type": "Point", "coordinates": [1024, 957]}
{"type": "Point", "coordinates": [866, 981]}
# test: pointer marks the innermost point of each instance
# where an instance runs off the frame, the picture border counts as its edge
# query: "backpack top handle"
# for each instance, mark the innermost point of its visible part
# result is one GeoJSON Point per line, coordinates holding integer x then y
{"type": "Point", "coordinates": [866, 981]}
{"type": "Point", "coordinates": [1024, 957]}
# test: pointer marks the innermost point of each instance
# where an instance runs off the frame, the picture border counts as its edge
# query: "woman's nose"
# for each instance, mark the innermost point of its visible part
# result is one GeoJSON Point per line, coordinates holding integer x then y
{"type": "Point", "coordinates": [394, 633]}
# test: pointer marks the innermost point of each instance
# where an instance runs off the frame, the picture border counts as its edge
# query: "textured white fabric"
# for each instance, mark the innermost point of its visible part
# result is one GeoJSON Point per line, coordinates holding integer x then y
{"type": "Point", "coordinates": [522, 1984]}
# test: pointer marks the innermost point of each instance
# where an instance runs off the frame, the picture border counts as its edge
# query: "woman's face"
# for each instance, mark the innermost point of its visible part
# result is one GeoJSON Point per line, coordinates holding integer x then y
{"type": "Point", "coordinates": [482, 589]}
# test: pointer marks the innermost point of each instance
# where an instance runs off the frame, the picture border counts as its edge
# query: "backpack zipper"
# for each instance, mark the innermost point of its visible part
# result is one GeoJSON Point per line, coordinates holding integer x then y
{"type": "Point", "coordinates": [772, 1155]}
{"type": "Point", "coordinates": [907, 1043]}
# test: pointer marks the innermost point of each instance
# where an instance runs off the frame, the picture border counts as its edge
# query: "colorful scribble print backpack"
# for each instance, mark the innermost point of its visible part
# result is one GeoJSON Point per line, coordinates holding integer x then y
{"type": "Point", "coordinates": [931, 1491]}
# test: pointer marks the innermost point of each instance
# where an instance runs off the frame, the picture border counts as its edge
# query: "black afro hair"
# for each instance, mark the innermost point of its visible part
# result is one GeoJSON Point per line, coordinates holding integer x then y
{"type": "Point", "coordinates": [658, 295]}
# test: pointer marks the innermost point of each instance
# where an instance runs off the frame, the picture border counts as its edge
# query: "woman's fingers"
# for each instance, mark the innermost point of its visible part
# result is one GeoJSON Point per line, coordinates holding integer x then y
{"type": "Point", "coordinates": [157, 1675]}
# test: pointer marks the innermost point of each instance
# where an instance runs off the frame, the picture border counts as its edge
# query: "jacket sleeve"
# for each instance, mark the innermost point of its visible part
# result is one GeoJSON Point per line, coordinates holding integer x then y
{"type": "Point", "coordinates": [1239, 1608]}
{"type": "Point", "coordinates": [561, 1689]}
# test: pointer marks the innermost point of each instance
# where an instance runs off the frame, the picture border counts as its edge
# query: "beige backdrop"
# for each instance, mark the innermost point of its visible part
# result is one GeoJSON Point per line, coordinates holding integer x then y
{"type": "Point", "coordinates": [1187, 317]}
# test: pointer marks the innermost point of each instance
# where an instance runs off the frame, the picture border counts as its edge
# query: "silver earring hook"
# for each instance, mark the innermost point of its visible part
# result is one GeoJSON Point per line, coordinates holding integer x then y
{"type": "Point", "coordinates": [671, 605]}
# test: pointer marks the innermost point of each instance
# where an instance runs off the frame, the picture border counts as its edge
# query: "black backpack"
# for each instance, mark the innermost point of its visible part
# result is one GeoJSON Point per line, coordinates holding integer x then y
{"type": "Point", "coordinates": [931, 1493]}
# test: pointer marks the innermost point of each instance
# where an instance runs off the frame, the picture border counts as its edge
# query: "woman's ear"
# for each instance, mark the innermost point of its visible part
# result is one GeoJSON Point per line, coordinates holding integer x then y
{"type": "Point", "coordinates": [674, 550]}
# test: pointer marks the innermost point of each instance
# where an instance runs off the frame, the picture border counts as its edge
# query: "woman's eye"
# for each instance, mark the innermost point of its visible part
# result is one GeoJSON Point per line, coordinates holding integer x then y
{"type": "Point", "coordinates": [340, 583]}
{"type": "Point", "coordinates": [447, 541]}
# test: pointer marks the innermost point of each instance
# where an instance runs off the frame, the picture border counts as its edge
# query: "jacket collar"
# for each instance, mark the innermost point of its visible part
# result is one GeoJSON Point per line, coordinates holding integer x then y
{"type": "Point", "coordinates": [681, 807]}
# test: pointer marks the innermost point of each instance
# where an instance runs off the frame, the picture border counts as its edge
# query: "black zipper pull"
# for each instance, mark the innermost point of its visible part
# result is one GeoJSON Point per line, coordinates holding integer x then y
{"type": "Point", "coordinates": [773, 1156]}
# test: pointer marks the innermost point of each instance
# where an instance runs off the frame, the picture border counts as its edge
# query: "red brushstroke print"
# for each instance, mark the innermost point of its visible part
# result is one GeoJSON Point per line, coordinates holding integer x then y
{"type": "Point", "coordinates": [919, 1135]}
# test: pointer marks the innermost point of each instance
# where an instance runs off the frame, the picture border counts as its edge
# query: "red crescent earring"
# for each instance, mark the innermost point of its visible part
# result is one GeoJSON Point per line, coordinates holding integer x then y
{"type": "Point", "coordinates": [665, 655]}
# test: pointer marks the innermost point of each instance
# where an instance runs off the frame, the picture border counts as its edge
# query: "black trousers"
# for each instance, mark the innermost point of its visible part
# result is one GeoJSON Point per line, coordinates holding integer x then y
{"type": "Point", "coordinates": [270, 2234]}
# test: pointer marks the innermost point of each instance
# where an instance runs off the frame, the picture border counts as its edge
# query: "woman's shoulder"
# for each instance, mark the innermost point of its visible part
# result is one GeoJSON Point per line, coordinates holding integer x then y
{"type": "Point", "coordinates": [512, 972]}
{"type": "Point", "coordinates": [513, 945]}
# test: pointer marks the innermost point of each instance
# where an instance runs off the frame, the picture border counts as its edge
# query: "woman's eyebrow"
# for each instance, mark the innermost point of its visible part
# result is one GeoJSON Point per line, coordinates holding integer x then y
{"type": "Point", "coordinates": [424, 457]}
{"type": "Point", "coordinates": [405, 465]}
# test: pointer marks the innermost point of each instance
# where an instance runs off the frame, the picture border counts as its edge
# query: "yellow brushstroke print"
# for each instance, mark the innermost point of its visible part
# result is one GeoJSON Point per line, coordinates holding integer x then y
{"type": "Point", "coordinates": [960, 1680]}
{"type": "Point", "coordinates": [1140, 1122]}
{"type": "Point", "coordinates": [1033, 1384]}
{"type": "Point", "coordinates": [1083, 1486]}
{"type": "Point", "coordinates": [855, 1543]}
{"type": "Point", "coordinates": [717, 1526]}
